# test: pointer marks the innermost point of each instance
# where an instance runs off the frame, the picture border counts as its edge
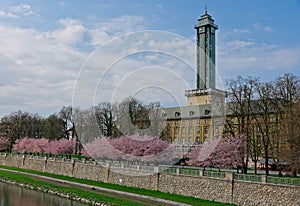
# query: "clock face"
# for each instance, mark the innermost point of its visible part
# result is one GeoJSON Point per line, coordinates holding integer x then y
{"type": "Point", "coordinates": [201, 29]}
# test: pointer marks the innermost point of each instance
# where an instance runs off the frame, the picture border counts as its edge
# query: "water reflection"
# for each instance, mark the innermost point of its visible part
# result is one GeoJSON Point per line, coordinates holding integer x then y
{"type": "Point", "coordinates": [11, 195]}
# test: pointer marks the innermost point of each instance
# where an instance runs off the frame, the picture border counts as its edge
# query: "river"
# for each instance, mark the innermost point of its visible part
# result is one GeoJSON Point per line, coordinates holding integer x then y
{"type": "Point", "coordinates": [12, 195]}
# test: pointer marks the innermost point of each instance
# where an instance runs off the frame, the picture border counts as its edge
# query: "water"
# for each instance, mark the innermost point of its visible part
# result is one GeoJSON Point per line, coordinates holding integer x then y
{"type": "Point", "coordinates": [11, 195]}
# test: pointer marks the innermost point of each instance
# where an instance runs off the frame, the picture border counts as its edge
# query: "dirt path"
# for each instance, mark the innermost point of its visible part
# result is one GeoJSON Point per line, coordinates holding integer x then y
{"type": "Point", "coordinates": [135, 198]}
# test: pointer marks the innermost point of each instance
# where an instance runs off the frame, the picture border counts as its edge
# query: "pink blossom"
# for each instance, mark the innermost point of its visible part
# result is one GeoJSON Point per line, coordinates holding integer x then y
{"type": "Point", "coordinates": [131, 148]}
{"type": "Point", "coordinates": [228, 153]}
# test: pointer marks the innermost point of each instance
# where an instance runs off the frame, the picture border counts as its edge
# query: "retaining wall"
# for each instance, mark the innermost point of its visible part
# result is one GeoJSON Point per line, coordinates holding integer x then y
{"type": "Point", "coordinates": [218, 189]}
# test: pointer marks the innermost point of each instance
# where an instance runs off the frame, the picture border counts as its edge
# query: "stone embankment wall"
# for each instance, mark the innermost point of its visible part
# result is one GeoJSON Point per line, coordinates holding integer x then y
{"type": "Point", "coordinates": [218, 189]}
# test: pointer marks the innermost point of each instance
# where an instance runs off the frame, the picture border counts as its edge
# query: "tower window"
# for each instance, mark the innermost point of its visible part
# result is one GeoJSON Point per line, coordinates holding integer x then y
{"type": "Point", "coordinates": [177, 114]}
{"type": "Point", "coordinates": [206, 112]}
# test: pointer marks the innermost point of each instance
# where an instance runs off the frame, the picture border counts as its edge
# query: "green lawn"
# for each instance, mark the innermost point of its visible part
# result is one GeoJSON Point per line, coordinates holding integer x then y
{"type": "Point", "coordinates": [89, 194]}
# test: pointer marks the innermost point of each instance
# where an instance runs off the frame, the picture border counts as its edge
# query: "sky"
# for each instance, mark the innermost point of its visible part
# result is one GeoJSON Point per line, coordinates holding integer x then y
{"type": "Point", "coordinates": [80, 53]}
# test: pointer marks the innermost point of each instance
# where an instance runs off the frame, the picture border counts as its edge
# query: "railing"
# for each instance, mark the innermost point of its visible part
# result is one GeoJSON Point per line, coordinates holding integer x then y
{"type": "Point", "coordinates": [147, 168]}
{"type": "Point", "coordinates": [214, 174]}
{"type": "Point", "coordinates": [248, 177]}
{"type": "Point", "coordinates": [167, 169]}
{"type": "Point", "coordinates": [190, 171]}
{"type": "Point", "coordinates": [283, 180]}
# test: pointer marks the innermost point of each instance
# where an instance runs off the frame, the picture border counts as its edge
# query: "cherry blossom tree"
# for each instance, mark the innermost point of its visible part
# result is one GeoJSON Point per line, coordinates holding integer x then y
{"type": "Point", "coordinates": [228, 153]}
{"type": "Point", "coordinates": [30, 145]}
{"type": "Point", "coordinates": [38, 145]}
{"type": "Point", "coordinates": [130, 148]}
{"type": "Point", "coordinates": [62, 146]}
{"type": "Point", "coordinates": [23, 145]}
{"type": "Point", "coordinates": [42, 145]}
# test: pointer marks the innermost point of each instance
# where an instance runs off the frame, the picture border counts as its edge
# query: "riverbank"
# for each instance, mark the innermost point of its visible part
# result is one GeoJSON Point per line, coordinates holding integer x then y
{"type": "Point", "coordinates": [93, 192]}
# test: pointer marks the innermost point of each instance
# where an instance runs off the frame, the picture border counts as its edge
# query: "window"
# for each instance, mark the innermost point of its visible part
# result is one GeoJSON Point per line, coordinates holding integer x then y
{"type": "Point", "coordinates": [217, 130]}
{"type": "Point", "coordinates": [198, 130]}
{"type": "Point", "coordinates": [182, 122]}
{"type": "Point", "coordinates": [206, 112]}
{"type": "Point", "coordinates": [191, 122]}
{"type": "Point", "coordinates": [177, 114]}
{"type": "Point", "coordinates": [192, 113]}
{"type": "Point", "coordinates": [182, 130]}
{"type": "Point", "coordinates": [198, 140]}
{"type": "Point", "coordinates": [198, 121]}
{"type": "Point", "coordinates": [190, 130]}
{"type": "Point", "coordinates": [205, 121]}
{"type": "Point", "coordinates": [205, 130]}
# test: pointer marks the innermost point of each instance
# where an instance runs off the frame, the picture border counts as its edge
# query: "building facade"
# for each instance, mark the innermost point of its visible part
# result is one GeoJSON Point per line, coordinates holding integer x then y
{"type": "Point", "coordinates": [203, 117]}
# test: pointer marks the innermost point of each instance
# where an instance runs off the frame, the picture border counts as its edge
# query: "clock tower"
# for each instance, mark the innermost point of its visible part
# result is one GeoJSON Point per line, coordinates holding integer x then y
{"type": "Point", "coordinates": [205, 91]}
{"type": "Point", "coordinates": [206, 52]}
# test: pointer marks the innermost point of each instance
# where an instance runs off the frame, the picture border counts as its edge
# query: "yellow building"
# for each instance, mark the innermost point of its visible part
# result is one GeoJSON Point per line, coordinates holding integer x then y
{"type": "Point", "coordinates": [203, 117]}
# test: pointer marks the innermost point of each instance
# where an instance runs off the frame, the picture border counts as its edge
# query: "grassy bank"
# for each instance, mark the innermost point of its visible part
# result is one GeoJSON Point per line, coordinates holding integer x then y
{"type": "Point", "coordinates": [94, 195]}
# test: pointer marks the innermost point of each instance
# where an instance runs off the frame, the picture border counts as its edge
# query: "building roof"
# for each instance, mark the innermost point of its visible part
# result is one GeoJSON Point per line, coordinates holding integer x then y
{"type": "Point", "coordinates": [188, 112]}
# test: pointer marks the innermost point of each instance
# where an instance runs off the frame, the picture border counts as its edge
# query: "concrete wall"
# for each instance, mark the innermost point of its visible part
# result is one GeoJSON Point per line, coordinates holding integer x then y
{"type": "Point", "coordinates": [217, 189]}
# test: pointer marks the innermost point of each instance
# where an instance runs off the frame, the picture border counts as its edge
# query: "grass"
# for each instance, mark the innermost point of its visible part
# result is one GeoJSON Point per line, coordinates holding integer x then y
{"type": "Point", "coordinates": [101, 198]}
{"type": "Point", "coordinates": [72, 191]}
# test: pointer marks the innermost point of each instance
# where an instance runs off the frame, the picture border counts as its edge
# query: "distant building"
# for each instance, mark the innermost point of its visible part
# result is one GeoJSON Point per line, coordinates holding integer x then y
{"type": "Point", "coordinates": [206, 115]}
{"type": "Point", "coordinates": [203, 117]}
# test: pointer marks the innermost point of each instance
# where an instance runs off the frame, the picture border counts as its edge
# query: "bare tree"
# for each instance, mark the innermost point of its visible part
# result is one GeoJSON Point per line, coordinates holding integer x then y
{"type": "Point", "coordinates": [132, 116]}
{"type": "Point", "coordinates": [288, 95]}
{"type": "Point", "coordinates": [67, 117]}
{"type": "Point", "coordinates": [262, 112]}
{"type": "Point", "coordinates": [105, 114]}
{"type": "Point", "coordinates": [22, 124]}
{"type": "Point", "coordinates": [239, 97]}
{"type": "Point", "coordinates": [53, 127]}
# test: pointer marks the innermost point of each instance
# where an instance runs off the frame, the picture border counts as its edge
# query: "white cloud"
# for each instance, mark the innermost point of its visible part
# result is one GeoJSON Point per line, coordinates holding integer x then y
{"type": "Point", "coordinates": [249, 55]}
{"type": "Point", "coordinates": [104, 31]}
{"type": "Point", "coordinates": [22, 9]}
{"type": "Point", "coordinates": [242, 31]}
{"type": "Point", "coordinates": [71, 33]}
{"type": "Point", "coordinates": [153, 61]}
{"type": "Point", "coordinates": [4, 14]}
{"type": "Point", "coordinates": [37, 72]}
{"type": "Point", "coordinates": [39, 67]}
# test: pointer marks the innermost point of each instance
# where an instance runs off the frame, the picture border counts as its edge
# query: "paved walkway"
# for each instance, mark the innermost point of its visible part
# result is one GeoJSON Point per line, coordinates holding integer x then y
{"type": "Point", "coordinates": [111, 191]}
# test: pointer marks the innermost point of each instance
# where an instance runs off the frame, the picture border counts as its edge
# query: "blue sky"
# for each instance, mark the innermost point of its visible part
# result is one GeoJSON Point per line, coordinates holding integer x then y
{"type": "Point", "coordinates": [45, 43]}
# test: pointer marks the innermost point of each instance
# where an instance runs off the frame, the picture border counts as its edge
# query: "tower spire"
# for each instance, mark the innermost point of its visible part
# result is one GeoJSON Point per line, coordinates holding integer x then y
{"type": "Point", "coordinates": [206, 54]}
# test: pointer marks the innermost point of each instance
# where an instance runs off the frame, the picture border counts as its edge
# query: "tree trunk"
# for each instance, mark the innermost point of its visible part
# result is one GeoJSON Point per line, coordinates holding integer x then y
{"type": "Point", "coordinates": [267, 160]}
